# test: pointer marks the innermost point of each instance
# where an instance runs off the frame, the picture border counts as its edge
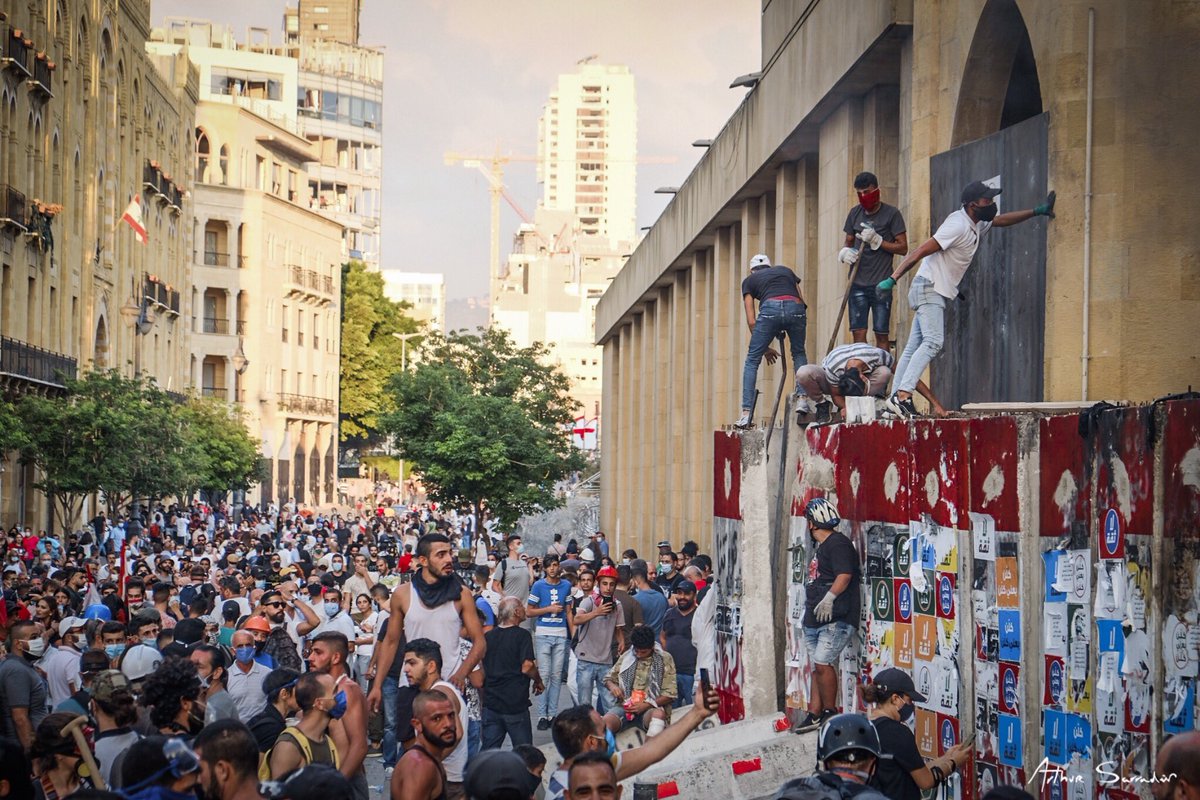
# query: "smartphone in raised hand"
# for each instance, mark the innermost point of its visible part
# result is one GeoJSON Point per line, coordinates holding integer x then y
{"type": "Point", "coordinates": [705, 685]}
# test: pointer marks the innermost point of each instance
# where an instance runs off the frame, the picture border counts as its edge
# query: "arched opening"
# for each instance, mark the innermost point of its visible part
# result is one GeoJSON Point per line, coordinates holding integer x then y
{"type": "Point", "coordinates": [299, 463]}
{"type": "Point", "coordinates": [203, 153]}
{"type": "Point", "coordinates": [1000, 86]}
{"type": "Point", "coordinates": [314, 477]}
{"type": "Point", "coordinates": [100, 346]}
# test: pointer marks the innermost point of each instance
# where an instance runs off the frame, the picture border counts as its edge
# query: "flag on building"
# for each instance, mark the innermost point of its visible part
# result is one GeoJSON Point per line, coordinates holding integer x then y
{"type": "Point", "coordinates": [133, 215]}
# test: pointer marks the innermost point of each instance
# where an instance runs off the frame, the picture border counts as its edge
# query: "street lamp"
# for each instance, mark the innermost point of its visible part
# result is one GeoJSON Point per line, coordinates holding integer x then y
{"type": "Point", "coordinates": [403, 337]}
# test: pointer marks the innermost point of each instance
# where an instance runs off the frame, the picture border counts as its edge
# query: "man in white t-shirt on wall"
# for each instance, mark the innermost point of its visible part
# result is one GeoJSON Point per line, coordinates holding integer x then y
{"type": "Point", "coordinates": [947, 256]}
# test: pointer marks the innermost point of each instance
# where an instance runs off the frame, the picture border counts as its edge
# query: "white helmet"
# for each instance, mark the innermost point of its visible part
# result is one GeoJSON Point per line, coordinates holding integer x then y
{"type": "Point", "coordinates": [139, 661]}
{"type": "Point", "coordinates": [821, 513]}
{"type": "Point", "coordinates": [760, 260]}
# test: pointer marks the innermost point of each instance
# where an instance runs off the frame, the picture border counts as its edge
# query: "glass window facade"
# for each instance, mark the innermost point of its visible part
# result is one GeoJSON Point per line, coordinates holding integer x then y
{"type": "Point", "coordinates": [340, 107]}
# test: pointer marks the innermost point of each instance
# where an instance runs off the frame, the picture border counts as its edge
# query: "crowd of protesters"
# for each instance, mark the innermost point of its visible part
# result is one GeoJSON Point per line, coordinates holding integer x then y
{"type": "Point", "coordinates": [241, 652]}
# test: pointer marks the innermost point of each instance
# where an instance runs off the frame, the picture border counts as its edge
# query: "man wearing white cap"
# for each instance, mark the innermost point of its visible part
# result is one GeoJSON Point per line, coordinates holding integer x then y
{"type": "Point", "coordinates": [781, 309]}
{"type": "Point", "coordinates": [61, 663]}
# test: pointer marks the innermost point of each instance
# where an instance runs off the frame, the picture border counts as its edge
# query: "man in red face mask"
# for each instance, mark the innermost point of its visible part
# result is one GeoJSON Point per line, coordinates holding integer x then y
{"type": "Point", "coordinates": [875, 232]}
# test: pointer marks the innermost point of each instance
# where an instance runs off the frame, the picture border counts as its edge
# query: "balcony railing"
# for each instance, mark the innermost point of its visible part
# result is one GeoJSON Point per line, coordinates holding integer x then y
{"type": "Point", "coordinates": [42, 72]}
{"type": "Point", "coordinates": [13, 208]}
{"type": "Point", "coordinates": [215, 259]}
{"type": "Point", "coordinates": [16, 51]}
{"type": "Point", "coordinates": [25, 361]}
{"type": "Point", "coordinates": [305, 404]}
{"type": "Point", "coordinates": [309, 281]}
{"type": "Point", "coordinates": [152, 178]}
{"type": "Point", "coordinates": [219, 392]}
{"type": "Point", "coordinates": [216, 325]}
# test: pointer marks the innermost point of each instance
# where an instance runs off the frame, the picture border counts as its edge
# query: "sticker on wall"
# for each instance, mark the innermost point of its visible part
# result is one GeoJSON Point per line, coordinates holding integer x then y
{"type": "Point", "coordinates": [1010, 635]}
{"type": "Point", "coordinates": [1054, 736]}
{"type": "Point", "coordinates": [947, 733]}
{"type": "Point", "coordinates": [1007, 583]}
{"type": "Point", "coordinates": [986, 776]}
{"type": "Point", "coordinates": [1079, 735]}
{"type": "Point", "coordinates": [926, 732]}
{"type": "Point", "coordinates": [1179, 653]}
{"type": "Point", "coordinates": [945, 595]}
{"type": "Point", "coordinates": [1010, 688]}
{"type": "Point", "coordinates": [1111, 577]}
{"type": "Point", "coordinates": [903, 601]}
{"type": "Point", "coordinates": [1077, 572]}
{"type": "Point", "coordinates": [1054, 629]}
{"type": "Point", "coordinates": [1179, 704]}
{"type": "Point", "coordinates": [1054, 681]}
{"type": "Point", "coordinates": [983, 537]}
{"type": "Point", "coordinates": [945, 683]}
{"type": "Point", "coordinates": [925, 634]}
{"type": "Point", "coordinates": [1009, 732]}
{"type": "Point", "coordinates": [1053, 562]}
{"type": "Point", "coordinates": [1110, 638]}
{"type": "Point", "coordinates": [1109, 711]}
{"type": "Point", "coordinates": [1112, 540]}
{"type": "Point", "coordinates": [901, 556]}
{"type": "Point", "coordinates": [881, 599]}
{"type": "Point", "coordinates": [904, 646]}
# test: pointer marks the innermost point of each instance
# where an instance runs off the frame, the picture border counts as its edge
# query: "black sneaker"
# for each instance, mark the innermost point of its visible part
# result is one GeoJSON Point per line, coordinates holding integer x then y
{"type": "Point", "coordinates": [904, 409]}
{"type": "Point", "coordinates": [811, 722]}
{"type": "Point", "coordinates": [543, 724]}
{"type": "Point", "coordinates": [824, 413]}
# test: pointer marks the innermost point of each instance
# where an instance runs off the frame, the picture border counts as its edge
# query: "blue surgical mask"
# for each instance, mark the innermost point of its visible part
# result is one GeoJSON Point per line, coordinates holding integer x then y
{"type": "Point", "coordinates": [331, 609]}
{"type": "Point", "coordinates": [663, 569]}
{"type": "Point", "coordinates": [260, 584]}
{"type": "Point", "coordinates": [151, 642]}
{"type": "Point", "coordinates": [244, 654]}
{"type": "Point", "coordinates": [611, 742]}
{"type": "Point", "coordinates": [114, 651]}
{"type": "Point", "coordinates": [339, 706]}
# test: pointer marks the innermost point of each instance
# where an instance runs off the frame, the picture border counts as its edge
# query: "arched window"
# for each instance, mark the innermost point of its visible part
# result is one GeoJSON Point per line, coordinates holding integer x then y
{"type": "Point", "coordinates": [203, 151]}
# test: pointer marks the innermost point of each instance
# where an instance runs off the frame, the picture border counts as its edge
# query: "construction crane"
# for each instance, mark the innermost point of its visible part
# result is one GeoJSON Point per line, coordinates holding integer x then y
{"type": "Point", "coordinates": [492, 168]}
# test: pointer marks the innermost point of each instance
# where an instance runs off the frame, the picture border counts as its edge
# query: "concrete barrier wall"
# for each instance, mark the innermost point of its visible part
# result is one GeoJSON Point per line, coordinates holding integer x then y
{"type": "Point", "coordinates": [1039, 579]}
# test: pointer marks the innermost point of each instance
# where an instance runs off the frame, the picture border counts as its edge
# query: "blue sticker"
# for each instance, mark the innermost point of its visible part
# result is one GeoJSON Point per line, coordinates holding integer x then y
{"type": "Point", "coordinates": [1010, 635]}
{"type": "Point", "coordinates": [1054, 734]}
{"type": "Point", "coordinates": [904, 602]}
{"type": "Point", "coordinates": [927, 550]}
{"type": "Point", "coordinates": [1050, 558]}
{"type": "Point", "coordinates": [1079, 735]}
{"type": "Point", "coordinates": [1008, 730]}
{"type": "Point", "coordinates": [1181, 709]}
{"type": "Point", "coordinates": [1111, 639]}
{"type": "Point", "coordinates": [948, 737]}
{"type": "Point", "coordinates": [1110, 542]}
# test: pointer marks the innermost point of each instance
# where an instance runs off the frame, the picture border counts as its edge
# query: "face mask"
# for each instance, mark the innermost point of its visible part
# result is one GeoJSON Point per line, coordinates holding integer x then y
{"type": "Point", "coordinates": [868, 200]}
{"type": "Point", "coordinates": [260, 584]}
{"type": "Point", "coordinates": [491, 564]}
{"type": "Point", "coordinates": [906, 712]}
{"type": "Point", "coordinates": [986, 213]}
{"type": "Point", "coordinates": [135, 605]}
{"type": "Point", "coordinates": [35, 648]}
{"type": "Point", "coordinates": [610, 743]}
{"type": "Point", "coordinates": [244, 654]}
{"type": "Point", "coordinates": [331, 609]}
{"type": "Point", "coordinates": [339, 706]}
{"type": "Point", "coordinates": [151, 642]}
{"type": "Point", "coordinates": [663, 569]}
{"type": "Point", "coordinates": [114, 651]}
{"type": "Point", "coordinates": [521, 548]}
{"type": "Point", "coordinates": [625, 562]}
{"type": "Point", "coordinates": [205, 681]}
{"type": "Point", "coordinates": [337, 565]}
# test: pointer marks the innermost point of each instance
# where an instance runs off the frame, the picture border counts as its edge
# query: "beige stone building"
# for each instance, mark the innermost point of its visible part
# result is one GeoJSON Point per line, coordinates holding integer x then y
{"type": "Point", "coordinates": [425, 292]}
{"type": "Point", "coordinates": [87, 121]}
{"type": "Point", "coordinates": [1080, 97]}
{"type": "Point", "coordinates": [266, 297]}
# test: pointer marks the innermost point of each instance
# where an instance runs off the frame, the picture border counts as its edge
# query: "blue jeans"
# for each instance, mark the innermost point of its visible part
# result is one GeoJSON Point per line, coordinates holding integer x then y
{"type": "Point", "coordinates": [589, 677]}
{"type": "Point", "coordinates": [684, 684]}
{"type": "Point", "coordinates": [551, 661]}
{"type": "Point", "coordinates": [389, 688]}
{"type": "Point", "coordinates": [926, 336]}
{"type": "Point", "coordinates": [865, 300]}
{"type": "Point", "coordinates": [474, 737]}
{"type": "Point", "coordinates": [774, 317]}
{"type": "Point", "coordinates": [518, 728]}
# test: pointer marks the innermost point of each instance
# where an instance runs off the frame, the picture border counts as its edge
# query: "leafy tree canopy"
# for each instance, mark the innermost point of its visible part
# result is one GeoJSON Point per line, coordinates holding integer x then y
{"type": "Point", "coordinates": [485, 423]}
{"type": "Point", "coordinates": [370, 353]}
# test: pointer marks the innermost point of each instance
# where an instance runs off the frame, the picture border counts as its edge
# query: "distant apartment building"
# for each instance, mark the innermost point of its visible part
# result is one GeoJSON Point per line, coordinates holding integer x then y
{"type": "Point", "coordinates": [267, 266]}
{"type": "Point", "coordinates": [330, 20]}
{"type": "Point", "coordinates": [88, 123]}
{"type": "Point", "coordinates": [425, 292]}
{"type": "Point", "coordinates": [587, 150]}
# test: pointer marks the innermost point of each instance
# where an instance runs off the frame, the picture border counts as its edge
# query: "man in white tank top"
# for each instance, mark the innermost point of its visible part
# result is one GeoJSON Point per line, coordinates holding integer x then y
{"type": "Point", "coordinates": [423, 667]}
{"type": "Point", "coordinates": [432, 607]}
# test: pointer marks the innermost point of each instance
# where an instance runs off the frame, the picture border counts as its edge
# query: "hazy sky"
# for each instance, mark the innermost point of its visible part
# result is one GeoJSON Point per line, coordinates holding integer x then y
{"type": "Point", "coordinates": [467, 75]}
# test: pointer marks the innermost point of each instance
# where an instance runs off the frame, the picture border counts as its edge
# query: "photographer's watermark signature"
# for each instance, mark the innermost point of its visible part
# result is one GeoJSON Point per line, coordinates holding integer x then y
{"type": "Point", "coordinates": [1104, 775]}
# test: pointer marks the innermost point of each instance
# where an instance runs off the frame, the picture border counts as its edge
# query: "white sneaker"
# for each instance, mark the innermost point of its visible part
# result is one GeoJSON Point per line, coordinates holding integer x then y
{"type": "Point", "coordinates": [804, 406]}
{"type": "Point", "coordinates": [743, 422]}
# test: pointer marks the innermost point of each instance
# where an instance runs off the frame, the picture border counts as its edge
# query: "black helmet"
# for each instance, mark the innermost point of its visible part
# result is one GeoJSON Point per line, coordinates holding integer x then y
{"type": "Point", "coordinates": [851, 737]}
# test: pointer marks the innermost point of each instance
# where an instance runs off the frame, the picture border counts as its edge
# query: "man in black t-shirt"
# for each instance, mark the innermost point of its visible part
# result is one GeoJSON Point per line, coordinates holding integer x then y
{"type": "Point", "coordinates": [676, 639]}
{"type": "Point", "coordinates": [508, 667]}
{"type": "Point", "coordinates": [831, 613]}
{"type": "Point", "coordinates": [781, 309]}
{"type": "Point", "coordinates": [881, 229]}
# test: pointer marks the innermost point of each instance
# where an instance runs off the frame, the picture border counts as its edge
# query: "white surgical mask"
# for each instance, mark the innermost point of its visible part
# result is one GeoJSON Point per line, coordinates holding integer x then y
{"type": "Point", "coordinates": [36, 647]}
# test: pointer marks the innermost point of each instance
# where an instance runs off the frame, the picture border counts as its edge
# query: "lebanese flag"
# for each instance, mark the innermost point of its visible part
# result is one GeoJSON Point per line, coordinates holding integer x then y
{"type": "Point", "coordinates": [133, 215]}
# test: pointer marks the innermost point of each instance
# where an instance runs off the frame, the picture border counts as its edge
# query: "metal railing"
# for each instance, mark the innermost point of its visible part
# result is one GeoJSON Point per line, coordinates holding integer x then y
{"type": "Point", "coordinates": [13, 208]}
{"type": "Point", "coordinates": [42, 73]}
{"type": "Point", "coordinates": [214, 391]}
{"type": "Point", "coordinates": [152, 178]}
{"type": "Point", "coordinates": [305, 404]}
{"type": "Point", "coordinates": [216, 325]}
{"type": "Point", "coordinates": [32, 363]}
{"type": "Point", "coordinates": [15, 52]}
{"type": "Point", "coordinates": [310, 279]}
{"type": "Point", "coordinates": [215, 259]}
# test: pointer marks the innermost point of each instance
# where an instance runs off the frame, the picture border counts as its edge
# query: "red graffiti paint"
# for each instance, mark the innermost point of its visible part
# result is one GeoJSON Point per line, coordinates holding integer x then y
{"type": "Point", "coordinates": [727, 475]}
{"type": "Point", "coordinates": [1063, 490]}
{"type": "Point", "coordinates": [993, 470]}
{"type": "Point", "coordinates": [939, 450]}
{"type": "Point", "coordinates": [1125, 474]}
{"type": "Point", "coordinates": [1181, 451]}
{"type": "Point", "coordinates": [812, 472]}
{"type": "Point", "coordinates": [875, 459]}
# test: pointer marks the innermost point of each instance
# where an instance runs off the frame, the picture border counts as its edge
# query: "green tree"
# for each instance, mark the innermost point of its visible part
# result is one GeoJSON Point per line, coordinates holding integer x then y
{"type": "Point", "coordinates": [370, 353]}
{"type": "Point", "coordinates": [12, 431]}
{"type": "Point", "coordinates": [485, 422]}
{"type": "Point", "coordinates": [227, 456]}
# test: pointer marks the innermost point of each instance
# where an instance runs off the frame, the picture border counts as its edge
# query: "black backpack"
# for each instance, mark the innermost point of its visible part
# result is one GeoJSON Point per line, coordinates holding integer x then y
{"type": "Point", "coordinates": [825, 786]}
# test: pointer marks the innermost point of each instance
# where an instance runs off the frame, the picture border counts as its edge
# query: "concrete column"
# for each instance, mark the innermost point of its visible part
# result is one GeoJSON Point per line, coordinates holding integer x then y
{"type": "Point", "coordinates": [678, 402]}
{"type": "Point", "coordinates": [610, 439]}
{"type": "Point", "coordinates": [841, 152]}
{"type": "Point", "coordinates": [787, 231]}
{"type": "Point", "coordinates": [724, 391]}
{"type": "Point", "coordinates": [806, 244]}
{"type": "Point", "coordinates": [657, 526]}
{"type": "Point", "coordinates": [699, 392]}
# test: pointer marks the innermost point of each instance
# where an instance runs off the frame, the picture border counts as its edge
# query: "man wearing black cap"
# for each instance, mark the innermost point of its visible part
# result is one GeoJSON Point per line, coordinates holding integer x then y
{"type": "Point", "coordinates": [947, 256]}
{"type": "Point", "coordinates": [499, 775]}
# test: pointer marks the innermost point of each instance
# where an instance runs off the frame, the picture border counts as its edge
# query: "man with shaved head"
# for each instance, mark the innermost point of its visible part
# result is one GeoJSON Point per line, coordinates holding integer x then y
{"type": "Point", "coordinates": [419, 775]}
{"type": "Point", "coordinates": [1177, 770]}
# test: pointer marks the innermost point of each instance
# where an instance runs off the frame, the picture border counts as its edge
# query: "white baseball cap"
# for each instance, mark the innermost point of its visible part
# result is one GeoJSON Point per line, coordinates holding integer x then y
{"type": "Point", "coordinates": [760, 260]}
{"type": "Point", "coordinates": [70, 624]}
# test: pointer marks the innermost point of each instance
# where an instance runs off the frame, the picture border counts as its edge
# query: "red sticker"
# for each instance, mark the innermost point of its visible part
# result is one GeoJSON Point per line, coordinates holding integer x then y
{"type": "Point", "coordinates": [748, 765]}
{"type": "Point", "coordinates": [668, 789]}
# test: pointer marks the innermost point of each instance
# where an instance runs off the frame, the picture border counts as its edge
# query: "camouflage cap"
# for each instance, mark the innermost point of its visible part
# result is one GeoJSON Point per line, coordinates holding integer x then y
{"type": "Point", "coordinates": [107, 683]}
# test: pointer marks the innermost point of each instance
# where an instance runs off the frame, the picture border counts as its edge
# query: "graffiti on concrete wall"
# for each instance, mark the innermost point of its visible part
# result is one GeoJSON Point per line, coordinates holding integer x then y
{"type": "Point", "coordinates": [1181, 601]}
{"type": "Point", "coordinates": [727, 569]}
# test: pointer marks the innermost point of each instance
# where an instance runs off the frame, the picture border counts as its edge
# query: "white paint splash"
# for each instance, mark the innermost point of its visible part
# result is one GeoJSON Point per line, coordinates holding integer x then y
{"type": "Point", "coordinates": [728, 478]}
{"type": "Point", "coordinates": [1064, 497]}
{"type": "Point", "coordinates": [855, 482]}
{"type": "Point", "coordinates": [818, 472]}
{"type": "Point", "coordinates": [891, 482]}
{"type": "Point", "coordinates": [993, 484]}
{"type": "Point", "coordinates": [1189, 466]}
{"type": "Point", "coordinates": [1120, 480]}
{"type": "Point", "coordinates": [932, 493]}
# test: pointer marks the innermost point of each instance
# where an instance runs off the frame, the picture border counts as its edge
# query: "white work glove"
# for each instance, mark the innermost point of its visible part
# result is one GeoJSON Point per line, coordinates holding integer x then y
{"type": "Point", "coordinates": [870, 238]}
{"type": "Point", "coordinates": [848, 256]}
{"type": "Point", "coordinates": [824, 610]}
